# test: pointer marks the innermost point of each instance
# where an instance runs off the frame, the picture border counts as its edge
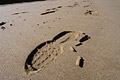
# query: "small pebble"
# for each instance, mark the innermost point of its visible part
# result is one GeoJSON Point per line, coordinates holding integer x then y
{"type": "Point", "coordinates": [10, 24]}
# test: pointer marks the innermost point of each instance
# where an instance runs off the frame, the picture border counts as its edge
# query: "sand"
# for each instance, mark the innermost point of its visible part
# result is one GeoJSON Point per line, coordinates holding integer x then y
{"type": "Point", "coordinates": [27, 25]}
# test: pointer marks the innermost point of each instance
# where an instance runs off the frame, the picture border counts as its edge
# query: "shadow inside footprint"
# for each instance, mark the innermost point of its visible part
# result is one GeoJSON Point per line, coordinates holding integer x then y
{"type": "Point", "coordinates": [91, 12]}
{"type": "Point", "coordinates": [47, 12]}
{"type": "Point", "coordinates": [60, 35]}
{"type": "Point", "coordinates": [2, 23]}
{"type": "Point", "coordinates": [84, 38]}
{"type": "Point", "coordinates": [78, 44]}
{"type": "Point", "coordinates": [81, 62]}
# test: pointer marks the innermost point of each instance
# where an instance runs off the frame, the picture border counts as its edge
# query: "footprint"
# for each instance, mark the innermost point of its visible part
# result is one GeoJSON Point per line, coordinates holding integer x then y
{"type": "Point", "coordinates": [52, 10]}
{"type": "Point", "coordinates": [86, 6]}
{"type": "Point", "coordinates": [50, 50]}
{"type": "Point", "coordinates": [91, 12]}
{"type": "Point", "coordinates": [2, 23]}
{"type": "Point", "coordinates": [59, 7]}
{"type": "Point", "coordinates": [74, 5]}
{"type": "Point", "coordinates": [19, 13]}
{"type": "Point", "coordinates": [2, 27]}
{"type": "Point", "coordinates": [48, 12]}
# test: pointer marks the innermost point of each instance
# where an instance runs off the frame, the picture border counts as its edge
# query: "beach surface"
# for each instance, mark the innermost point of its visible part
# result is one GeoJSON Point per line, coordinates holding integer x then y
{"type": "Point", "coordinates": [72, 29]}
